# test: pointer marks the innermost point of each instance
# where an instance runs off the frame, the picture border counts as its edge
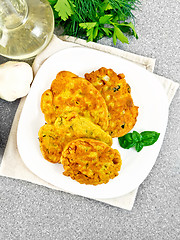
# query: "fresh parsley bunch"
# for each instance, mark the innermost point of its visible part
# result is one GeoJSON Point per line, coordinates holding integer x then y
{"type": "Point", "coordinates": [138, 140]}
{"type": "Point", "coordinates": [94, 19]}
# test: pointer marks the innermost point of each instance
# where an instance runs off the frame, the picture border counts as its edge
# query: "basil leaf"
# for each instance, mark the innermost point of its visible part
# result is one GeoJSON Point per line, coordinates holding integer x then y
{"type": "Point", "coordinates": [139, 146]}
{"type": "Point", "coordinates": [136, 136]}
{"type": "Point", "coordinates": [128, 137]}
{"type": "Point", "coordinates": [138, 140]}
{"type": "Point", "coordinates": [149, 137]}
{"type": "Point", "coordinates": [125, 143]}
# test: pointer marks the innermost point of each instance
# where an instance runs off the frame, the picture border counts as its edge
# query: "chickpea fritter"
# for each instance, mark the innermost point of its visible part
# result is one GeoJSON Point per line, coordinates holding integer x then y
{"type": "Point", "coordinates": [117, 94]}
{"type": "Point", "coordinates": [90, 161]}
{"type": "Point", "coordinates": [70, 93]}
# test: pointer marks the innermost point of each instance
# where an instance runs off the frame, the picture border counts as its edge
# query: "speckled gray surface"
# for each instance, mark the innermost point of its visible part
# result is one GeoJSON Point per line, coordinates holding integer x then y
{"type": "Point", "coordinates": [28, 211]}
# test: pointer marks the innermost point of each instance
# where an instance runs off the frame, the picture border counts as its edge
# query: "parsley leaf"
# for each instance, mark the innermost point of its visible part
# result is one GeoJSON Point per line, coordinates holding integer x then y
{"type": "Point", "coordinates": [88, 25]}
{"type": "Point", "coordinates": [105, 19]}
{"type": "Point", "coordinates": [64, 9]}
{"type": "Point", "coordinates": [119, 34]}
{"type": "Point", "coordinates": [91, 29]}
{"type": "Point", "coordinates": [125, 27]}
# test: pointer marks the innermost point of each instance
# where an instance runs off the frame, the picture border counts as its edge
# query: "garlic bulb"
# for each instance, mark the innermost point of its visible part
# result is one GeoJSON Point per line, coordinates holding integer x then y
{"type": "Point", "coordinates": [15, 80]}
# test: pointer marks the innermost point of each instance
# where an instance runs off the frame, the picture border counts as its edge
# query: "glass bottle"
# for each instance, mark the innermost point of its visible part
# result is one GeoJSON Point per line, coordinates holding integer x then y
{"type": "Point", "coordinates": [26, 27]}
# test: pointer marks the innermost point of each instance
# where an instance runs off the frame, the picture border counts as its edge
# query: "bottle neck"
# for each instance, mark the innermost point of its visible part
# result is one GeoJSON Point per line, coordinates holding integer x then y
{"type": "Point", "coordinates": [13, 13]}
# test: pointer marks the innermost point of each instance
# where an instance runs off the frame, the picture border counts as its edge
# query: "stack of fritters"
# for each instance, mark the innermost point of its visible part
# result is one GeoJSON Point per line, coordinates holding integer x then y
{"type": "Point", "coordinates": [54, 137]}
{"type": "Point", "coordinates": [82, 116]}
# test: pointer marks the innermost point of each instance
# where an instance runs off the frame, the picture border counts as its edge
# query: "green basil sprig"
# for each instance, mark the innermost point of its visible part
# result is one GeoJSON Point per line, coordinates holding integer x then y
{"type": "Point", "coordinates": [138, 140]}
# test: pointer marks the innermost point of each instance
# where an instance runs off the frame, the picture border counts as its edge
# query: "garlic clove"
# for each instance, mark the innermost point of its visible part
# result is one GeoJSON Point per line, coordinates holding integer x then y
{"type": "Point", "coordinates": [15, 80]}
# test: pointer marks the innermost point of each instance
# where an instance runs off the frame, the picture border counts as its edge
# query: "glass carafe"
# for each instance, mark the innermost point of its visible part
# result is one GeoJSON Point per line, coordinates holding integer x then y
{"type": "Point", "coordinates": [26, 27]}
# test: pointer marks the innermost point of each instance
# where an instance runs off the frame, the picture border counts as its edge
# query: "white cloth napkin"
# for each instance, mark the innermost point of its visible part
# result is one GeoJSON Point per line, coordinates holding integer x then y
{"type": "Point", "coordinates": [12, 165]}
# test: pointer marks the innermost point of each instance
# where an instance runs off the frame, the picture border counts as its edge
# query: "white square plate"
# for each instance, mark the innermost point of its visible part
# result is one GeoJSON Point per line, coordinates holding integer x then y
{"type": "Point", "coordinates": [147, 93]}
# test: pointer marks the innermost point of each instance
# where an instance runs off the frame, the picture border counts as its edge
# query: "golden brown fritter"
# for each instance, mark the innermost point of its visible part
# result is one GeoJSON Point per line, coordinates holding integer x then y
{"type": "Point", "coordinates": [47, 106]}
{"type": "Point", "coordinates": [70, 93]}
{"type": "Point", "coordinates": [54, 137]}
{"type": "Point", "coordinates": [117, 94]}
{"type": "Point", "coordinates": [90, 161]}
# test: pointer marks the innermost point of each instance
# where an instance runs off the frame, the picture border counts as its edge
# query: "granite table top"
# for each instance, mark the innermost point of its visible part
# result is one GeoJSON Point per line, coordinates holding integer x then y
{"type": "Point", "coordinates": [28, 211]}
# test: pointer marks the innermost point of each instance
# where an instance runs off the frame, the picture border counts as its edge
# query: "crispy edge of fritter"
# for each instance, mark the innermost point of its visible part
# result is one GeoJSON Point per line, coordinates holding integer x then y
{"type": "Point", "coordinates": [47, 107]}
{"type": "Point", "coordinates": [50, 147]}
{"type": "Point", "coordinates": [65, 76]}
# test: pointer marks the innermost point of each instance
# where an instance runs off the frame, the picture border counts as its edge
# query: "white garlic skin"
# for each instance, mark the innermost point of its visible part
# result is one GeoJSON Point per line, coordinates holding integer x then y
{"type": "Point", "coordinates": [15, 80]}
